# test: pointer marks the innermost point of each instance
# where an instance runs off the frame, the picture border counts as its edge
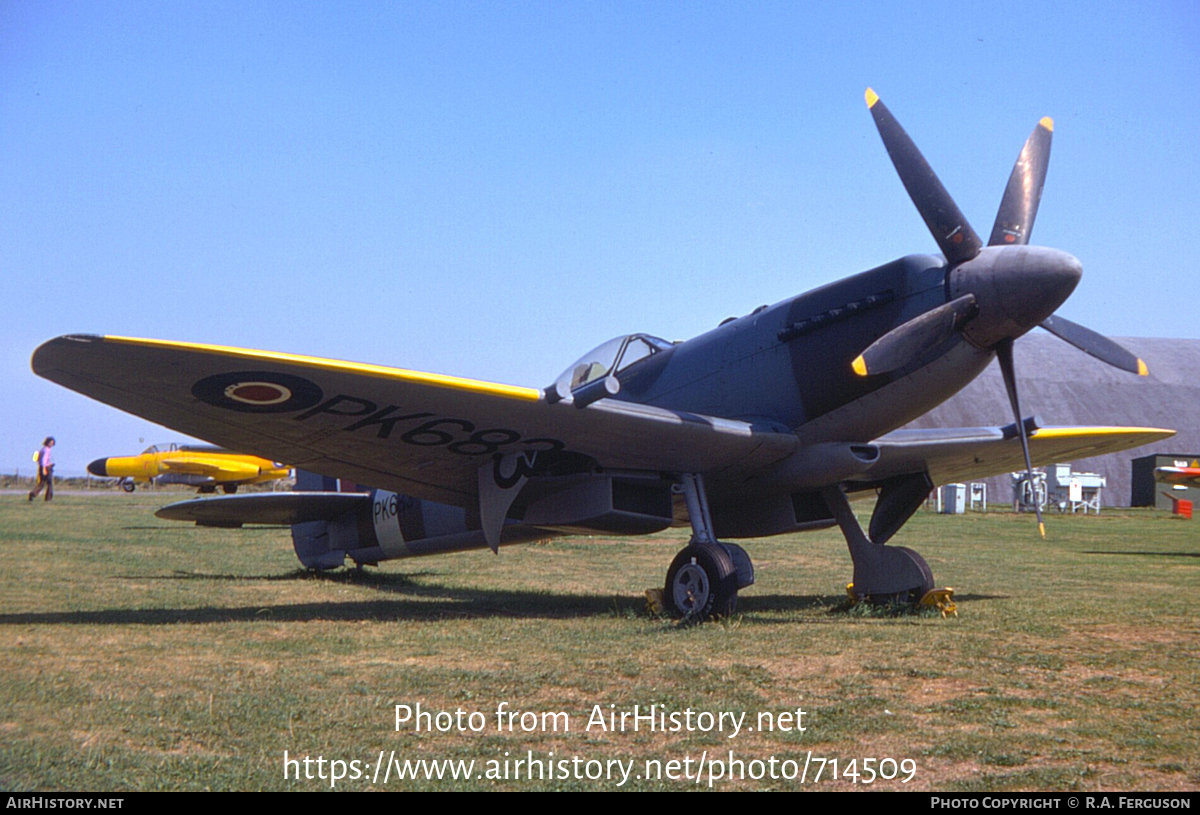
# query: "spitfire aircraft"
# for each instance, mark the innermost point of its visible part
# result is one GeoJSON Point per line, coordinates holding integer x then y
{"type": "Point", "coordinates": [766, 424]}
{"type": "Point", "coordinates": [199, 466]}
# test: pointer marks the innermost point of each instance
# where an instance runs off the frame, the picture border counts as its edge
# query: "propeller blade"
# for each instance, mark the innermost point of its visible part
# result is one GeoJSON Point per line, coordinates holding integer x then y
{"type": "Point", "coordinates": [914, 338]}
{"type": "Point", "coordinates": [1018, 208]}
{"type": "Point", "coordinates": [1097, 345]}
{"type": "Point", "coordinates": [1004, 353]}
{"type": "Point", "coordinates": [945, 221]}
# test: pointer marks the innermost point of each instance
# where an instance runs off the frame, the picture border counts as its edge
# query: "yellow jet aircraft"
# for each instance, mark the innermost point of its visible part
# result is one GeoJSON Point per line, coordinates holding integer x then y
{"type": "Point", "coordinates": [199, 466]}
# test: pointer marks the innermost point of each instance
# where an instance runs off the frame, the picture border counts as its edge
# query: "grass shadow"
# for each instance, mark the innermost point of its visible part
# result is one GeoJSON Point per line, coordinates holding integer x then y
{"type": "Point", "coordinates": [1143, 554]}
{"type": "Point", "coordinates": [419, 603]}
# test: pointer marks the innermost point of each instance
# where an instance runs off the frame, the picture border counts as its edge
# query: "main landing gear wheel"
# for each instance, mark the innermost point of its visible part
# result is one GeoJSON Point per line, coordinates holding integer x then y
{"type": "Point", "coordinates": [701, 583]}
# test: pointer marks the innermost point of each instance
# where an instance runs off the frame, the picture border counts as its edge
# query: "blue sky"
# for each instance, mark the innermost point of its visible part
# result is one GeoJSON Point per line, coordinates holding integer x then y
{"type": "Point", "coordinates": [491, 189]}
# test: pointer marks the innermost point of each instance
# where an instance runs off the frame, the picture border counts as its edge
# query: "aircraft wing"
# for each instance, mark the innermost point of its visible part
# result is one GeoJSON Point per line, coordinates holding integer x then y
{"type": "Point", "coordinates": [965, 454]}
{"type": "Point", "coordinates": [1184, 476]}
{"type": "Point", "coordinates": [276, 508]}
{"type": "Point", "coordinates": [422, 434]}
{"type": "Point", "coordinates": [220, 469]}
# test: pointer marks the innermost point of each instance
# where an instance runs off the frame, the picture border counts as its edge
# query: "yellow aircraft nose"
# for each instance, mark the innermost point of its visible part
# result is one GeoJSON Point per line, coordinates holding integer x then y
{"type": "Point", "coordinates": [99, 467]}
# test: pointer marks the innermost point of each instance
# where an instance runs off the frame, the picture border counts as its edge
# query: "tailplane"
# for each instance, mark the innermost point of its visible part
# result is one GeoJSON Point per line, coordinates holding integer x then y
{"type": "Point", "coordinates": [332, 520]}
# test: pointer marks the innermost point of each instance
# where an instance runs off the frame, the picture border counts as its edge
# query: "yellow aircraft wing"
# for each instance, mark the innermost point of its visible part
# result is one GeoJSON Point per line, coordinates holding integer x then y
{"type": "Point", "coordinates": [225, 468]}
{"type": "Point", "coordinates": [422, 434]}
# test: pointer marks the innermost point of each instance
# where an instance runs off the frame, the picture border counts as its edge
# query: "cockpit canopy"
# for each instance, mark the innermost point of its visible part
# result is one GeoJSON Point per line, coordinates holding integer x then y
{"type": "Point", "coordinates": [608, 359]}
{"type": "Point", "coordinates": [173, 447]}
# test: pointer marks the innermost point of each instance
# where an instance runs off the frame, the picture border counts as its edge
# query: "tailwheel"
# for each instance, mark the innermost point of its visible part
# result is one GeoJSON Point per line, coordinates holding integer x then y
{"type": "Point", "coordinates": [909, 578]}
{"type": "Point", "coordinates": [915, 565]}
{"type": "Point", "coordinates": [892, 575]}
{"type": "Point", "coordinates": [701, 583]}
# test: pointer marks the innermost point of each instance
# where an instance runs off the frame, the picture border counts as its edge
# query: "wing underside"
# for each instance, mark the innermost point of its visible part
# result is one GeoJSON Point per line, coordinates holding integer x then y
{"type": "Point", "coordinates": [964, 454]}
{"type": "Point", "coordinates": [278, 508]}
{"type": "Point", "coordinates": [422, 434]}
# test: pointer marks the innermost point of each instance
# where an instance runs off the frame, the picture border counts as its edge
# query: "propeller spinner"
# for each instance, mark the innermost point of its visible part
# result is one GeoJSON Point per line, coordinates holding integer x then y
{"type": "Point", "coordinates": [999, 291]}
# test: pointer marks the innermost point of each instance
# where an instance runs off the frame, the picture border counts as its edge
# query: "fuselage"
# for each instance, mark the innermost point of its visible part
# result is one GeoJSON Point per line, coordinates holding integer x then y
{"type": "Point", "coordinates": [788, 366]}
{"type": "Point", "coordinates": [196, 467]}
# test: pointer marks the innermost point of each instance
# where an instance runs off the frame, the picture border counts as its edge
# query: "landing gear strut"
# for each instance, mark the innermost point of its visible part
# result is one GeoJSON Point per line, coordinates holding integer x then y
{"type": "Point", "coordinates": [705, 576]}
{"type": "Point", "coordinates": [883, 573]}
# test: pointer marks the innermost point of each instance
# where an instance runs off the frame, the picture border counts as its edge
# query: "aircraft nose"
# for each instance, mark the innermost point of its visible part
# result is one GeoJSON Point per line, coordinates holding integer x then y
{"type": "Point", "coordinates": [1039, 283]}
{"type": "Point", "coordinates": [1016, 288]}
{"type": "Point", "coordinates": [99, 467]}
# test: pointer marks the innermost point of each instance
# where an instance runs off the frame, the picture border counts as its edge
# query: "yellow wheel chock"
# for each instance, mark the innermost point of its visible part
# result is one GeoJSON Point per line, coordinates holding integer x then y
{"type": "Point", "coordinates": [940, 599]}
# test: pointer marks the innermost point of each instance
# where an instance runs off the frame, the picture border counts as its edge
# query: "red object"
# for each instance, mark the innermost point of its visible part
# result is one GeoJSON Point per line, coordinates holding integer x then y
{"type": "Point", "coordinates": [1182, 508]}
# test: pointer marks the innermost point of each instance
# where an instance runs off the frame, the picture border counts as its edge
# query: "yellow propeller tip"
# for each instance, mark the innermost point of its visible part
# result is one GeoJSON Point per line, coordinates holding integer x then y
{"type": "Point", "coordinates": [872, 98]}
{"type": "Point", "coordinates": [1042, 529]}
{"type": "Point", "coordinates": [1142, 369]}
{"type": "Point", "coordinates": [859, 365]}
{"type": "Point", "coordinates": [1047, 123]}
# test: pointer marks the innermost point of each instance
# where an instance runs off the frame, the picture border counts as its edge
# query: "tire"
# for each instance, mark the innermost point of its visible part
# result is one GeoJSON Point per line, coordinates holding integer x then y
{"type": "Point", "coordinates": [701, 583]}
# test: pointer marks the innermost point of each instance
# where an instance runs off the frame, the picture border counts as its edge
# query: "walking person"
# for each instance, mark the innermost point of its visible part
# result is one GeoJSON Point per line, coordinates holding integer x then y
{"type": "Point", "coordinates": [45, 473]}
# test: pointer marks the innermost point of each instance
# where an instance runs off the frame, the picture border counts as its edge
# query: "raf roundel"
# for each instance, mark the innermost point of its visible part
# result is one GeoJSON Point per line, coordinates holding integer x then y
{"type": "Point", "coordinates": [257, 392]}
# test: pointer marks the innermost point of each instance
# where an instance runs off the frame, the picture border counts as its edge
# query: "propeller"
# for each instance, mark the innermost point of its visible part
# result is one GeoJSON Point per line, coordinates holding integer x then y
{"type": "Point", "coordinates": [1019, 206]}
{"type": "Point", "coordinates": [1097, 345]}
{"type": "Point", "coordinates": [945, 220]}
{"type": "Point", "coordinates": [998, 292]}
{"type": "Point", "coordinates": [915, 337]}
{"type": "Point", "coordinates": [1004, 353]}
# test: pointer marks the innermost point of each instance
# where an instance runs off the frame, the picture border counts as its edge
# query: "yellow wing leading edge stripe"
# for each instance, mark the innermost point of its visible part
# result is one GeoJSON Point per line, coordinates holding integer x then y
{"type": "Point", "coordinates": [339, 366]}
{"type": "Point", "coordinates": [1092, 432]}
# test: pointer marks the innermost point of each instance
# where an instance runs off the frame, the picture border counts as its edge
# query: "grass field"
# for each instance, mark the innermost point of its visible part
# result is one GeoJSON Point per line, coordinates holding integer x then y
{"type": "Point", "coordinates": [143, 655]}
